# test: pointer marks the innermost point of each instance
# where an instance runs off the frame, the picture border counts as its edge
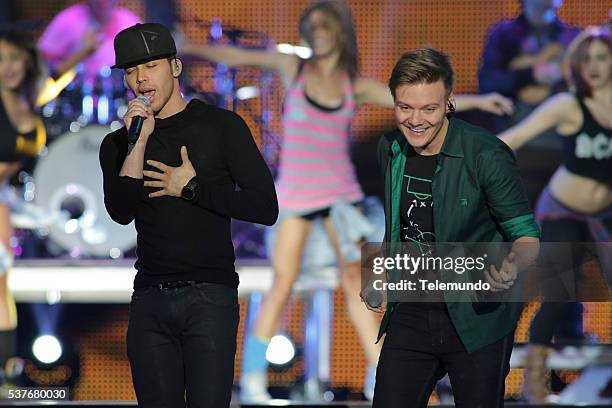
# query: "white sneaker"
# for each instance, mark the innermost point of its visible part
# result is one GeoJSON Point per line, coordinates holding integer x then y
{"type": "Point", "coordinates": [254, 387]}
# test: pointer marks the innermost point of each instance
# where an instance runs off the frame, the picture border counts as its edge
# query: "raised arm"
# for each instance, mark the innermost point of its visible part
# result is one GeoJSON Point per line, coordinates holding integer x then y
{"type": "Point", "coordinates": [373, 92]}
{"type": "Point", "coordinates": [376, 93]}
{"type": "Point", "coordinates": [286, 65]}
{"type": "Point", "coordinates": [491, 102]}
{"type": "Point", "coordinates": [552, 113]}
{"type": "Point", "coordinates": [122, 192]}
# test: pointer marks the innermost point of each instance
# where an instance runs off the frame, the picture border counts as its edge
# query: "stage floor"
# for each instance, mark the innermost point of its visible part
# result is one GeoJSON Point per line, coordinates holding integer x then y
{"type": "Point", "coordinates": [277, 403]}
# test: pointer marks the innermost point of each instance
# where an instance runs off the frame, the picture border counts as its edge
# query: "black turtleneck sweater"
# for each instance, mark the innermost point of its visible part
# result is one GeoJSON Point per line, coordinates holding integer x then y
{"type": "Point", "coordinates": [180, 240]}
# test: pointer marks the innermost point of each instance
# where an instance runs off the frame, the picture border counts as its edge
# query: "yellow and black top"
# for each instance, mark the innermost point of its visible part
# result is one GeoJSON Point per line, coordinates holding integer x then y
{"type": "Point", "coordinates": [15, 146]}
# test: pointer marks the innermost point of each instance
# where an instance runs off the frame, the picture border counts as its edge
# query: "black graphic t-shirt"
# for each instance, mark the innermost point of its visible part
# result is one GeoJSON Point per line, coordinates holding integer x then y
{"type": "Point", "coordinates": [416, 206]}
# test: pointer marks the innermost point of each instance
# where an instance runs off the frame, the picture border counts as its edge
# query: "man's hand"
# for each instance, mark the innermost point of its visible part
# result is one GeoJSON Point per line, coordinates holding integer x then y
{"type": "Point", "coordinates": [375, 300]}
{"type": "Point", "coordinates": [136, 107]}
{"type": "Point", "coordinates": [505, 277]}
{"type": "Point", "coordinates": [495, 103]}
{"type": "Point", "coordinates": [170, 180]}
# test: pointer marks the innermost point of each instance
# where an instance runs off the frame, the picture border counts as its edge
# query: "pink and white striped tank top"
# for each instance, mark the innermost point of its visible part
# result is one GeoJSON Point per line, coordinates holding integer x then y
{"type": "Point", "coordinates": [315, 168]}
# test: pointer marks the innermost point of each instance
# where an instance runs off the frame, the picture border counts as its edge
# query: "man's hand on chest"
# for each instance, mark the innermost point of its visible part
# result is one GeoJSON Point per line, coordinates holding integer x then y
{"type": "Point", "coordinates": [170, 180]}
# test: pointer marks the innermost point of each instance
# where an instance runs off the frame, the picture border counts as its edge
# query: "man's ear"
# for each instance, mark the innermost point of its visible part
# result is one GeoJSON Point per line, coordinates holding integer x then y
{"type": "Point", "coordinates": [451, 105]}
{"type": "Point", "coordinates": [177, 67]}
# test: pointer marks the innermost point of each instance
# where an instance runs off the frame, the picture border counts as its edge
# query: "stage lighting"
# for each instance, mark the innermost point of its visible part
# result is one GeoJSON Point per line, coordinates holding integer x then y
{"type": "Point", "coordinates": [280, 350]}
{"type": "Point", "coordinates": [47, 349]}
{"type": "Point", "coordinates": [247, 92]}
{"type": "Point", "coordinates": [289, 49]}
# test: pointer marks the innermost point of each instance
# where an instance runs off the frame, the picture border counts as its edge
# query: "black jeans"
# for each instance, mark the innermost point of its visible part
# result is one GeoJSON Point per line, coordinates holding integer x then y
{"type": "Point", "coordinates": [421, 346]}
{"type": "Point", "coordinates": [181, 344]}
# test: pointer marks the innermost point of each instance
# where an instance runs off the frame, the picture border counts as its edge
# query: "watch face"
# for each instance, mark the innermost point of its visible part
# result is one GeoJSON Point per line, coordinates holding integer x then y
{"type": "Point", "coordinates": [187, 193]}
{"type": "Point", "coordinates": [190, 190]}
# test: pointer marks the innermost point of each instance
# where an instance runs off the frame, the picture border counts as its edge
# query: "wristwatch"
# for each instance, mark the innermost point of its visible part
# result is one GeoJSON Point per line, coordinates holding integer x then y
{"type": "Point", "coordinates": [191, 190]}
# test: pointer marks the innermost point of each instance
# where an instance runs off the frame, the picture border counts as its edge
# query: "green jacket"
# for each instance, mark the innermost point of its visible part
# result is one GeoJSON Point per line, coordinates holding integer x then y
{"type": "Point", "coordinates": [478, 196]}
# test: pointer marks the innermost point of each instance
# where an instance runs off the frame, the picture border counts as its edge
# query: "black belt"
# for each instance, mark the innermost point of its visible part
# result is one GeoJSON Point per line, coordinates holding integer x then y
{"type": "Point", "coordinates": [175, 284]}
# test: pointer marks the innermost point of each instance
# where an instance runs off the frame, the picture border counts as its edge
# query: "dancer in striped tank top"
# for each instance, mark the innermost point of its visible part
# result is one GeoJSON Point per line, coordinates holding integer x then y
{"type": "Point", "coordinates": [315, 170]}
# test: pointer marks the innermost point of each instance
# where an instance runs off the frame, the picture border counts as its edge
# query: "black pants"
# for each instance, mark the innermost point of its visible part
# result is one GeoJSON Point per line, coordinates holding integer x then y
{"type": "Point", "coordinates": [181, 344]}
{"type": "Point", "coordinates": [421, 346]}
{"type": "Point", "coordinates": [563, 320]}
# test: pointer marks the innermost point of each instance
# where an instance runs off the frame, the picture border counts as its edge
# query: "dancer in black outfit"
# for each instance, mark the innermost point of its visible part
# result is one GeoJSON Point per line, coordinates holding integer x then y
{"type": "Point", "coordinates": [22, 135]}
{"type": "Point", "coordinates": [179, 183]}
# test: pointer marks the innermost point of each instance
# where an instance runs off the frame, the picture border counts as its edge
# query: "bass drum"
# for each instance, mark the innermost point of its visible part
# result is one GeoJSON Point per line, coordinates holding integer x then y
{"type": "Point", "coordinates": [68, 180]}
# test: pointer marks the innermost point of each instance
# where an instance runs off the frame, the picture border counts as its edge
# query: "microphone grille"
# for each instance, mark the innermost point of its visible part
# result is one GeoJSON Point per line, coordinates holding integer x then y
{"type": "Point", "coordinates": [144, 100]}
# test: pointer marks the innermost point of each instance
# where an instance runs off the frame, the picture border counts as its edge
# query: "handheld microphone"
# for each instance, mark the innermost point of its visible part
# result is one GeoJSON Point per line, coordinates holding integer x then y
{"type": "Point", "coordinates": [136, 125]}
{"type": "Point", "coordinates": [374, 299]}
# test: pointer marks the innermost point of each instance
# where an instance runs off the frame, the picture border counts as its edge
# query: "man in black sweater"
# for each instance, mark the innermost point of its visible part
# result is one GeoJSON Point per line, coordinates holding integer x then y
{"type": "Point", "coordinates": [178, 182]}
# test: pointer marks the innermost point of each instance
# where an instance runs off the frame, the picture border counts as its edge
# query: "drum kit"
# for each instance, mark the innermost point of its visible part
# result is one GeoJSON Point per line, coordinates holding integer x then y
{"type": "Point", "coordinates": [63, 200]}
{"type": "Point", "coordinates": [59, 198]}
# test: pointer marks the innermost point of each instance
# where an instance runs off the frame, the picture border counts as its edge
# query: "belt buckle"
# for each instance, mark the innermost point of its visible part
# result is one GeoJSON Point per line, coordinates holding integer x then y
{"type": "Point", "coordinates": [174, 285]}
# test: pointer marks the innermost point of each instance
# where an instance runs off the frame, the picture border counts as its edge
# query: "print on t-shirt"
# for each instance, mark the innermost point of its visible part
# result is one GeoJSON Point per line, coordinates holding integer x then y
{"type": "Point", "coordinates": [417, 201]}
{"type": "Point", "coordinates": [417, 221]}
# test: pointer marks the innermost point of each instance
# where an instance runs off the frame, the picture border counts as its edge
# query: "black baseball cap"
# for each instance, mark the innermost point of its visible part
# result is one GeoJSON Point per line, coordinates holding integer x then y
{"type": "Point", "coordinates": [141, 43]}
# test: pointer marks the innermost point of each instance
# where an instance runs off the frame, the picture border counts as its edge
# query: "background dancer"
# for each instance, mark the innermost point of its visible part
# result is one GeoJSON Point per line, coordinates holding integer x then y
{"type": "Point", "coordinates": [522, 58]}
{"type": "Point", "coordinates": [576, 205]}
{"type": "Point", "coordinates": [22, 135]}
